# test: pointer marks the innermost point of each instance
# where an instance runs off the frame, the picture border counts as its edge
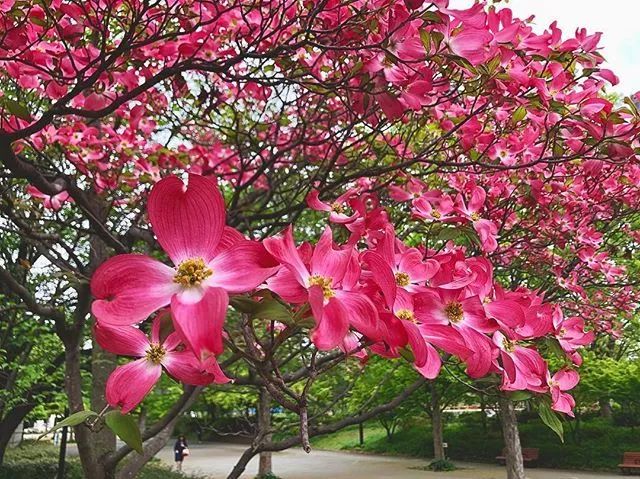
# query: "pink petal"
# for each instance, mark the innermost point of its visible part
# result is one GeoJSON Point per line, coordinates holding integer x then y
{"type": "Point", "coordinates": [563, 402]}
{"type": "Point", "coordinates": [283, 249]}
{"type": "Point", "coordinates": [186, 368]}
{"type": "Point", "coordinates": [188, 220]}
{"type": "Point", "coordinates": [567, 379]}
{"type": "Point", "coordinates": [286, 285]}
{"type": "Point", "coordinates": [470, 44]}
{"type": "Point", "coordinates": [230, 237]}
{"type": "Point", "coordinates": [351, 346]}
{"type": "Point", "coordinates": [332, 326]}
{"type": "Point", "coordinates": [200, 324]}
{"type": "Point", "coordinates": [417, 343]}
{"type": "Point", "coordinates": [121, 340]}
{"type": "Point", "coordinates": [242, 267]}
{"type": "Point", "coordinates": [478, 196]}
{"type": "Point", "coordinates": [313, 200]}
{"type": "Point", "coordinates": [361, 312]}
{"type": "Point", "coordinates": [382, 275]}
{"type": "Point", "coordinates": [412, 264]}
{"type": "Point", "coordinates": [480, 361]}
{"type": "Point", "coordinates": [129, 287]}
{"type": "Point", "coordinates": [432, 366]}
{"type": "Point", "coordinates": [506, 311]}
{"type": "Point", "coordinates": [129, 384]}
{"type": "Point", "coordinates": [446, 338]}
{"type": "Point", "coordinates": [428, 308]}
{"type": "Point", "coordinates": [327, 261]}
{"type": "Point", "coordinates": [475, 316]}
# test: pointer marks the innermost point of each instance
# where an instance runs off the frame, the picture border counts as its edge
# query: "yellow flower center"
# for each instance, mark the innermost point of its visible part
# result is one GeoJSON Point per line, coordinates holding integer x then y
{"type": "Point", "coordinates": [475, 216]}
{"type": "Point", "coordinates": [337, 208]}
{"type": "Point", "coordinates": [509, 346]}
{"type": "Point", "coordinates": [192, 272]}
{"type": "Point", "coordinates": [325, 283]}
{"type": "Point", "coordinates": [402, 279]}
{"type": "Point", "coordinates": [406, 315]}
{"type": "Point", "coordinates": [436, 214]}
{"type": "Point", "coordinates": [155, 354]}
{"type": "Point", "coordinates": [453, 311]}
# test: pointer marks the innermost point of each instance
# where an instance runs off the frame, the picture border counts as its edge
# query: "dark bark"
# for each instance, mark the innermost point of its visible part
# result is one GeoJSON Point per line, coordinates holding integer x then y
{"type": "Point", "coordinates": [9, 423]}
{"type": "Point", "coordinates": [104, 441]}
{"type": "Point", "coordinates": [436, 424]}
{"type": "Point", "coordinates": [265, 466]}
{"type": "Point", "coordinates": [73, 384]}
{"type": "Point", "coordinates": [513, 449]}
{"type": "Point", "coordinates": [63, 450]}
{"type": "Point", "coordinates": [606, 411]}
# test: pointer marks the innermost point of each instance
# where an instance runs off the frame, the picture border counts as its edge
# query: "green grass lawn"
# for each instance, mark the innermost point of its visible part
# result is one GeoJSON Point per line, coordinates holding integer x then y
{"type": "Point", "coordinates": [596, 446]}
{"type": "Point", "coordinates": [40, 460]}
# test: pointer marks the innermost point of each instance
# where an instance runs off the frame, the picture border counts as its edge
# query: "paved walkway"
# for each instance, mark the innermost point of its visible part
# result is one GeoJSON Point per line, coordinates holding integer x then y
{"type": "Point", "coordinates": [214, 461]}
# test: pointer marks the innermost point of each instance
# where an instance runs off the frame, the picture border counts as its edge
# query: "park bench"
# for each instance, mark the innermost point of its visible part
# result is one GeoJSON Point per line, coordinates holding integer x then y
{"type": "Point", "coordinates": [630, 462]}
{"type": "Point", "coordinates": [530, 456]}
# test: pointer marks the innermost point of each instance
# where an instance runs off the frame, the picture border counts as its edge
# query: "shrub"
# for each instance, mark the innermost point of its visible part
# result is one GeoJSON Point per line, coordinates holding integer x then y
{"type": "Point", "coordinates": [40, 460]}
{"type": "Point", "coordinates": [442, 465]}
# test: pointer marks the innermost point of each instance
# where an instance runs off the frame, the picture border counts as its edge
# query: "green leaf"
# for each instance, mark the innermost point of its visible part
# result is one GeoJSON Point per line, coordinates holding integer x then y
{"type": "Point", "coordinates": [520, 396]}
{"type": "Point", "coordinates": [447, 234]}
{"type": "Point", "coordinates": [554, 346]}
{"type": "Point", "coordinates": [267, 308]}
{"type": "Point", "coordinates": [243, 304]}
{"type": "Point", "coordinates": [17, 109]}
{"type": "Point", "coordinates": [519, 114]}
{"type": "Point", "coordinates": [426, 40]}
{"type": "Point", "coordinates": [551, 419]}
{"type": "Point", "coordinates": [273, 310]}
{"type": "Point", "coordinates": [73, 420]}
{"type": "Point", "coordinates": [125, 428]}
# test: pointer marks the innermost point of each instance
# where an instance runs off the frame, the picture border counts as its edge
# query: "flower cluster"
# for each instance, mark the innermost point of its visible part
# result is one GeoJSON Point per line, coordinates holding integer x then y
{"type": "Point", "coordinates": [373, 294]}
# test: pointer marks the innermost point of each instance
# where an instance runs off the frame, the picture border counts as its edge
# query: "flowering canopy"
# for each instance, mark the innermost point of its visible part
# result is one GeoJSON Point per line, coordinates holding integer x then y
{"type": "Point", "coordinates": [423, 133]}
{"type": "Point", "coordinates": [394, 298]}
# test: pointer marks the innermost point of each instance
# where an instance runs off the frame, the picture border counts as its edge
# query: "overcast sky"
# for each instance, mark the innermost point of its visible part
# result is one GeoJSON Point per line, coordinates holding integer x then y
{"type": "Point", "coordinates": [618, 20]}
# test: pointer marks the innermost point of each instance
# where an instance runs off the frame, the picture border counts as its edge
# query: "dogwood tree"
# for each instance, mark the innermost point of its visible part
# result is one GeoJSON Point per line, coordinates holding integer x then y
{"type": "Point", "coordinates": [468, 193]}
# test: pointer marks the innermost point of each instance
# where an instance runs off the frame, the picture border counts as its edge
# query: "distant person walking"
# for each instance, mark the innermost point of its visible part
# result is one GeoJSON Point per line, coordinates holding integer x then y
{"type": "Point", "coordinates": [180, 451]}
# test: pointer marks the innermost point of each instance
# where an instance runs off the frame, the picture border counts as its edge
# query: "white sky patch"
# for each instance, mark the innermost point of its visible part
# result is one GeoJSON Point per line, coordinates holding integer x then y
{"type": "Point", "coordinates": [616, 19]}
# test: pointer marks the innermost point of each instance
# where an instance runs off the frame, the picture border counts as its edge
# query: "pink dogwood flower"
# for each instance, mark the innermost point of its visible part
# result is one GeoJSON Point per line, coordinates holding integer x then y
{"type": "Point", "coordinates": [523, 367]}
{"type": "Point", "coordinates": [52, 202]}
{"type": "Point", "coordinates": [342, 210]}
{"type": "Point", "coordinates": [211, 261]}
{"type": "Point", "coordinates": [466, 315]}
{"type": "Point", "coordinates": [334, 308]}
{"type": "Point", "coordinates": [128, 384]}
{"type": "Point", "coordinates": [486, 229]}
{"type": "Point", "coordinates": [562, 381]}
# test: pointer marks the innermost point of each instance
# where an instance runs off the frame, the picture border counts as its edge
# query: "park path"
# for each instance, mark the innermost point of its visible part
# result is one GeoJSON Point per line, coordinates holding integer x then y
{"type": "Point", "coordinates": [215, 460]}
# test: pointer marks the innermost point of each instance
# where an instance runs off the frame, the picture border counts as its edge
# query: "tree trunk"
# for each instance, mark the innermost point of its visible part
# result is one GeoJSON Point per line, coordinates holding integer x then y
{"type": "Point", "coordinates": [102, 365]}
{"type": "Point", "coordinates": [606, 411]}
{"type": "Point", "coordinates": [483, 413]}
{"type": "Point", "coordinates": [436, 424]}
{"type": "Point", "coordinates": [9, 424]}
{"type": "Point", "coordinates": [62, 456]}
{"type": "Point", "coordinates": [264, 426]}
{"type": "Point", "coordinates": [73, 385]}
{"type": "Point", "coordinates": [513, 450]}
{"type": "Point", "coordinates": [361, 434]}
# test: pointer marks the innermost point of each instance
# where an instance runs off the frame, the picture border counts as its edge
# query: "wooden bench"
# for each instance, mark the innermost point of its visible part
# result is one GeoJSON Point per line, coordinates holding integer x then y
{"type": "Point", "coordinates": [530, 456]}
{"type": "Point", "coordinates": [630, 463]}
